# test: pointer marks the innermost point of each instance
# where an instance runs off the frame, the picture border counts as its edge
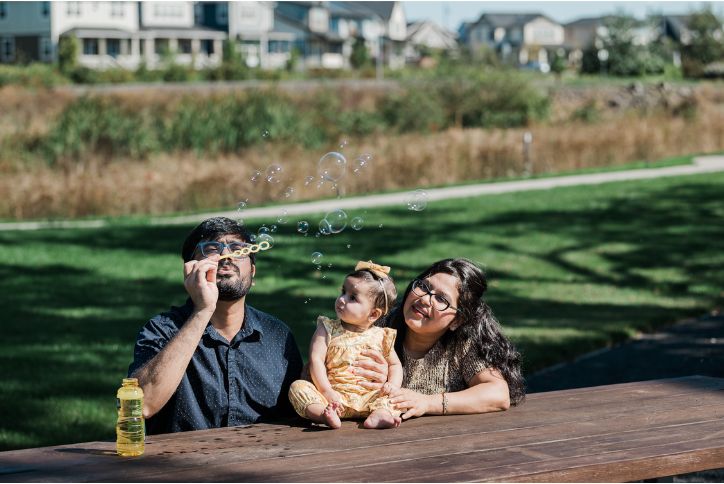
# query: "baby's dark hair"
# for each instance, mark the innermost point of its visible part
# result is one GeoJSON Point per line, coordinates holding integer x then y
{"type": "Point", "coordinates": [382, 289]}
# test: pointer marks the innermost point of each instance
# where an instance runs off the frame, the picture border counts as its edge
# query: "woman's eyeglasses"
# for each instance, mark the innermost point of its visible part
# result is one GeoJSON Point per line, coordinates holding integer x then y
{"type": "Point", "coordinates": [421, 288]}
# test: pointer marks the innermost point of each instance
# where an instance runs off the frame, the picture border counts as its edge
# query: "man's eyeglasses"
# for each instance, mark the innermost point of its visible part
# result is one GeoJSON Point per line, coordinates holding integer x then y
{"type": "Point", "coordinates": [217, 248]}
{"type": "Point", "coordinates": [421, 288]}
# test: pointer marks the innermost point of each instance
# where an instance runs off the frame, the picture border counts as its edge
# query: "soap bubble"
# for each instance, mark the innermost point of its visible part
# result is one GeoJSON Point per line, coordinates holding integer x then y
{"type": "Point", "coordinates": [317, 258]}
{"type": "Point", "coordinates": [325, 227]}
{"type": "Point", "coordinates": [288, 192]}
{"type": "Point", "coordinates": [417, 200]}
{"type": "Point", "coordinates": [303, 227]}
{"type": "Point", "coordinates": [266, 238]}
{"type": "Point", "coordinates": [380, 226]}
{"type": "Point", "coordinates": [273, 228]}
{"type": "Point", "coordinates": [283, 219]}
{"type": "Point", "coordinates": [241, 206]}
{"type": "Point", "coordinates": [337, 220]}
{"type": "Point", "coordinates": [329, 266]}
{"type": "Point", "coordinates": [343, 144]}
{"type": "Point", "coordinates": [357, 223]}
{"type": "Point", "coordinates": [265, 133]}
{"type": "Point", "coordinates": [252, 238]}
{"type": "Point", "coordinates": [273, 173]}
{"type": "Point", "coordinates": [349, 246]}
{"type": "Point", "coordinates": [263, 230]}
{"type": "Point", "coordinates": [255, 175]}
{"type": "Point", "coordinates": [361, 162]}
{"type": "Point", "coordinates": [332, 166]}
{"type": "Point", "coordinates": [308, 180]}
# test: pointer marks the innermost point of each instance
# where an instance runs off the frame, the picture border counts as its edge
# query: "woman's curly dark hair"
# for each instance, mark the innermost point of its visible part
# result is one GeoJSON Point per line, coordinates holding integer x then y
{"type": "Point", "coordinates": [476, 322]}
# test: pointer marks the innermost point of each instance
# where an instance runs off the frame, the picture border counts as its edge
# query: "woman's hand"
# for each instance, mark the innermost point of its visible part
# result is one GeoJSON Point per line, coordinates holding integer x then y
{"type": "Point", "coordinates": [411, 403]}
{"type": "Point", "coordinates": [373, 368]}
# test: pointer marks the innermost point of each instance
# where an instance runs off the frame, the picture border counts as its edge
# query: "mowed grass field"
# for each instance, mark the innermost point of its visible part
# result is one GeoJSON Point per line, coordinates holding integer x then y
{"type": "Point", "coordinates": [570, 270]}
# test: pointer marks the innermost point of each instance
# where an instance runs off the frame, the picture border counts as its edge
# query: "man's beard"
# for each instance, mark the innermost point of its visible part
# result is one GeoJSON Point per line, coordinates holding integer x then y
{"type": "Point", "coordinates": [233, 289]}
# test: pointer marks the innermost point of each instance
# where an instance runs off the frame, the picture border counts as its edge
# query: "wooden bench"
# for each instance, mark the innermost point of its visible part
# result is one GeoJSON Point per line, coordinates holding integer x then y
{"type": "Point", "coordinates": [612, 433]}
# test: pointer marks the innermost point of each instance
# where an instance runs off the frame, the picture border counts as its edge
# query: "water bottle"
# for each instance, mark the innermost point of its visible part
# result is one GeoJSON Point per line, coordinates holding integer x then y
{"type": "Point", "coordinates": [130, 427]}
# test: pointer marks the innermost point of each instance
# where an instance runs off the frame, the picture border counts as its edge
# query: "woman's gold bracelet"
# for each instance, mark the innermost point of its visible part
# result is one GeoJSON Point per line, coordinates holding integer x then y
{"type": "Point", "coordinates": [444, 403]}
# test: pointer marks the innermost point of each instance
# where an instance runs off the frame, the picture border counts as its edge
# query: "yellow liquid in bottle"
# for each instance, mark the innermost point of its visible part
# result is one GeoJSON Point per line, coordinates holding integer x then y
{"type": "Point", "coordinates": [130, 427]}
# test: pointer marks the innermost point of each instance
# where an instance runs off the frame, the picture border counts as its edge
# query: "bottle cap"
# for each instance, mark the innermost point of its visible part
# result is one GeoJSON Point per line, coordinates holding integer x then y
{"type": "Point", "coordinates": [130, 381]}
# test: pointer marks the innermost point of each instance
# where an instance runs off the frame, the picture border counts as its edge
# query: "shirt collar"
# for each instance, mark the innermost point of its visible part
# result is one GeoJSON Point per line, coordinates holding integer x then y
{"type": "Point", "coordinates": [252, 325]}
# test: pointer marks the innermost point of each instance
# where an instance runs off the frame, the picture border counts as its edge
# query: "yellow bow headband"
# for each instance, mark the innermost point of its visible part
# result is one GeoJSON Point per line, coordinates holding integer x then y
{"type": "Point", "coordinates": [376, 269]}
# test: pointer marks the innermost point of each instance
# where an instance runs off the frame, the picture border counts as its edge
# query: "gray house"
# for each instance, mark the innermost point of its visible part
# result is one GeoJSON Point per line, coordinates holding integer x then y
{"type": "Point", "coordinates": [518, 39]}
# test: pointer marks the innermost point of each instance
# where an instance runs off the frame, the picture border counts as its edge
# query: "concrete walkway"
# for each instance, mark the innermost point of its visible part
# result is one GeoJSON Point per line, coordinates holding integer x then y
{"type": "Point", "coordinates": [701, 165]}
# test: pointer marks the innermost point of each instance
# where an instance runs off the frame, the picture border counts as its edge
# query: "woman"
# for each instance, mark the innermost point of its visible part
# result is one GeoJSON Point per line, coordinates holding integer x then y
{"type": "Point", "coordinates": [455, 358]}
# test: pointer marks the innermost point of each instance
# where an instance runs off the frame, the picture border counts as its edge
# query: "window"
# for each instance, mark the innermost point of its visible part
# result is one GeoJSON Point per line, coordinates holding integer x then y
{"type": "Point", "coordinates": [90, 46]}
{"type": "Point", "coordinates": [247, 13]}
{"type": "Point", "coordinates": [44, 9]}
{"type": "Point", "coordinates": [7, 48]}
{"type": "Point", "coordinates": [117, 9]}
{"type": "Point", "coordinates": [207, 46]}
{"type": "Point", "coordinates": [72, 9]}
{"type": "Point", "coordinates": [113, 47]}
{"type": "Point", "coordinates": [168, 10]}
{"type": "Point", "coordinates": [3, 10]}
{"type": "Point", "coordinates": [161, 46]}
{"type": "Point", "coordinates": [46, 49]}
{"type": "Point", "coordinates": [184, 46]}
{"type": "Point", "coordinates": [279, 46]}
{"type": "Point", "coordinates": [222, 14]}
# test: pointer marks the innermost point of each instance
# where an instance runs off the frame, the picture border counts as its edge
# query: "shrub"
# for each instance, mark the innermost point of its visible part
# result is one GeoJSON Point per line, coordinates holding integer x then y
{"type": "Point", "coordinates": [33, 75]}
{"type": "Point", "coordinates": [99, 125]}
{"type": "Point", "coordinates": [414, 110]}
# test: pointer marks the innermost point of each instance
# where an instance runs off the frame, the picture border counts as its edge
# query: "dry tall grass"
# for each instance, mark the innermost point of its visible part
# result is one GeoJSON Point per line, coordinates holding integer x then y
{"type": "Point", "coordinates": [185, 182]}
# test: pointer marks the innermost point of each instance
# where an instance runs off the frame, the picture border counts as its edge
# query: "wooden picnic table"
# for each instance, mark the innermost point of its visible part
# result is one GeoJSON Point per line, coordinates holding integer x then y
{"type": "Point", "coordinates": [611, 433]}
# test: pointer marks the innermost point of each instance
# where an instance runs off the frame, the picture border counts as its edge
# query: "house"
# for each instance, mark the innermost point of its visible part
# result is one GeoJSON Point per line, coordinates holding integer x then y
{"type": "Point", "coordinates": [592, 32]}
{"type": "Point", "coordinates": [676, 27]}
{"type": "Point", "coordinates": [110, 33]}
{"type": "Point", "coordinates": [518, 39]}
{"type": "Point", "coordinates": [426, 36]}
{"type": "Point", "coordinates": [394, 35]}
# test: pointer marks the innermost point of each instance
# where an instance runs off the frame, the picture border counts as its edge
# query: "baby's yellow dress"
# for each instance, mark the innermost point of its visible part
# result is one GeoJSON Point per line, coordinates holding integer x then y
{"type": "Point", "coordinates": [343, 349]}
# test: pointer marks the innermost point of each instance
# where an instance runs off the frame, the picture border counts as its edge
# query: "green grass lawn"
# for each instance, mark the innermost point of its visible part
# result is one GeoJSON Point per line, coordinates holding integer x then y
{"type": "Point", "coordinates": [570, 270]}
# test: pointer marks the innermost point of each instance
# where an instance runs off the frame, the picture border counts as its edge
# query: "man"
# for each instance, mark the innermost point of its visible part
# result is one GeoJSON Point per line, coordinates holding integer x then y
{"type": "Point", "coordinates": [215, 361]}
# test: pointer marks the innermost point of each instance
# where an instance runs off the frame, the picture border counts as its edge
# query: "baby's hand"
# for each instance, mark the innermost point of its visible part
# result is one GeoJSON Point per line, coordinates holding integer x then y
{"type": "Point", "coordinates": [332, 396]}
{"type": "Point", "coordinates": [388, 388]}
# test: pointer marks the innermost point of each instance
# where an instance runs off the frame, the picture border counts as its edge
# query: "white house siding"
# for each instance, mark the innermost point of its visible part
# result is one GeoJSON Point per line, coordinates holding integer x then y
{"type": "Point", "coordinates": [167, 14]}
{"type": "Point", "coordinates": [93, 15]}
{"type": "Point", "coordinates": [543, 32]}
{"type": "Point", "coordinates": [397, 27]}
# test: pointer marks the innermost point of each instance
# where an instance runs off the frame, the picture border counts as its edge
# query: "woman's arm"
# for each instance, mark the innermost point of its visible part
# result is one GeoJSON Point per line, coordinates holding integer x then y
{"type": "Point", "coordinates": [487, 392]}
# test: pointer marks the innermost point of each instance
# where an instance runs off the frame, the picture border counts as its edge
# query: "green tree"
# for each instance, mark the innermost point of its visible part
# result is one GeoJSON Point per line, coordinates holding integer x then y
{"type": "Point", "coordinates": [68, 48]}
{"type": "Point", "coordinates": [706, 44]}
{"type": "Point", "coordinates": [558, 64]}
{"type": "Point", "coordinates": [360, 56]}
{"type": "Point", "coordinates": [626, 57]}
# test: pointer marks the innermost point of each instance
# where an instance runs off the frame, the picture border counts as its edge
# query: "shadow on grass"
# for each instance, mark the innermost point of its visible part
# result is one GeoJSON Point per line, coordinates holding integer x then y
{"type": "Point", "coordinates": [70, 330]}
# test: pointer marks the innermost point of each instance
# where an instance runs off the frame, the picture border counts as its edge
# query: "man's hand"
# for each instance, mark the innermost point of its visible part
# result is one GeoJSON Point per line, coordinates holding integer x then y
{"type": "Point", "coordinates": [200, 282]}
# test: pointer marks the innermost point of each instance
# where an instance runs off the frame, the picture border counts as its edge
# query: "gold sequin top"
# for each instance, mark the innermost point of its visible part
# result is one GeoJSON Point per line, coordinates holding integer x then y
{"type": "Point", "coordinates": [443, 368]}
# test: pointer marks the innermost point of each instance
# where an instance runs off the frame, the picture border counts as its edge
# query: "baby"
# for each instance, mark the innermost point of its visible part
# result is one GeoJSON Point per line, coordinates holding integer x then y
{"type": "Point", "coordinates": [367, 295]}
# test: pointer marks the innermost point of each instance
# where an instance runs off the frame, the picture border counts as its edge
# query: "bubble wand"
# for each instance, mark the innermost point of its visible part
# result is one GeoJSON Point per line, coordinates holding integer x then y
{"type": "Point", "coordinates": [252, 249]}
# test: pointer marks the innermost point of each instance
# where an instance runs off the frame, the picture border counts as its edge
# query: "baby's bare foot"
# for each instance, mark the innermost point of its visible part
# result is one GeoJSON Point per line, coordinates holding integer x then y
{"type": "Point", "coordinates": [382, 419]}
{"type": "Point", "coordinates": [331, 417]}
